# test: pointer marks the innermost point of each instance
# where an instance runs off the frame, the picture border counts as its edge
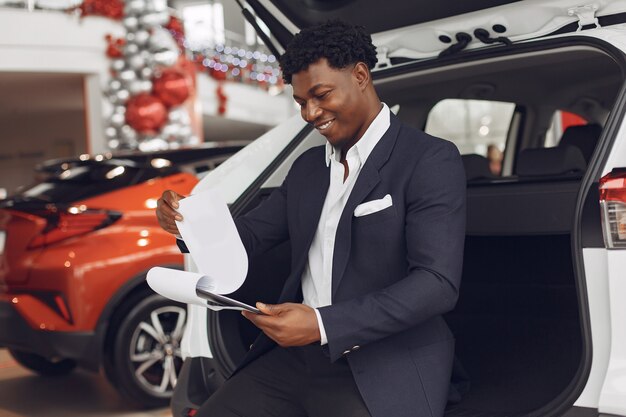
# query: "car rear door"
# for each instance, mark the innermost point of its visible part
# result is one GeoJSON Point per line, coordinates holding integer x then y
{"type": "Point", "coordinates": [423, 29]}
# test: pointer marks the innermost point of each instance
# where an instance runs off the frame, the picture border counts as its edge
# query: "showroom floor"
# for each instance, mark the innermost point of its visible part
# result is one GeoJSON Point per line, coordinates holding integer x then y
{"type": "Point", "coordinates": [80, 394]}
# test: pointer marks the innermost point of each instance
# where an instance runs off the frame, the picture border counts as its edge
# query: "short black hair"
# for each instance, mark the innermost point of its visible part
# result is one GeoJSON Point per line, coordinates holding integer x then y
{"type": "Point", "coordinates": [341, 43]}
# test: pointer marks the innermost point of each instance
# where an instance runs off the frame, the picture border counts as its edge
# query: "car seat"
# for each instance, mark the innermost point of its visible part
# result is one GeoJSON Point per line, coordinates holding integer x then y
{"type": "Point", "coordinates": [476, 167]}
{"type": "Point", "coordinates": [561, 160]}
{"type": "Point", "coordinates": [584, 137]}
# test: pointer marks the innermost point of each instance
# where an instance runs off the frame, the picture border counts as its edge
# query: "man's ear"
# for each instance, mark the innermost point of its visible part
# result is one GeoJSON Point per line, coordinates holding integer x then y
{"type": "Point", "coordinates": [362, 74]}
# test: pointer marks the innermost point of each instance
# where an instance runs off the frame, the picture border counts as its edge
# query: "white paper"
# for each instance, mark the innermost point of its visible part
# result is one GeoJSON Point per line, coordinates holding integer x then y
{"type": "Point", "coordinates": [210, 234]}
{"type": "Point", "coordinates": [176, 285]}
{"type": "Point", "coordinates": [181, 286]}
{"type": "Point", "coordinates": [214, 244]}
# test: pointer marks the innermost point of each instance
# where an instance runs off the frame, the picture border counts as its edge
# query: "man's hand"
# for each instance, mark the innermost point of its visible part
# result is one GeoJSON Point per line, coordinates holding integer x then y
{"type": "Point", "coordinates": [166, 211]}
{"type": "Point", "coordinates": [288, 324]}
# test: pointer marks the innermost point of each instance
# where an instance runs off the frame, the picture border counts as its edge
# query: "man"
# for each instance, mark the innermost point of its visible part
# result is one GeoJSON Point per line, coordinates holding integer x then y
{"type": "Point", "coordinates": [375, 221]}
{"type": "Point", "coordinates": [494, 156]}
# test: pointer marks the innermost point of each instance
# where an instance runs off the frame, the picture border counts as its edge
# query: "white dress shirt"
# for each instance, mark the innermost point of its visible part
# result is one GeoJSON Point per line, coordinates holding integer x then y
{"type": "Point", "coordinates": [317, 276]}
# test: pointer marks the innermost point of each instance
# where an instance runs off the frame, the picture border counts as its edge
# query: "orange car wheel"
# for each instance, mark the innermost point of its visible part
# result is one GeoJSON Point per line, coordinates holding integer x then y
{"type": "Point", "coordinates": [146, 351]}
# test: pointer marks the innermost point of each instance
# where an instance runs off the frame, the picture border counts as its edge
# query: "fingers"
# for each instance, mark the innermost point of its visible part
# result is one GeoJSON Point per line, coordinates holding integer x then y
{"type": "Point", "coordinates": [267, 319]}
{"type": "Point", "coordinates": [171, 197]}
{"type": "Point", "coordinates": [269, 309]}
{"type": "Point", "coordinates": [166, 211]}
{"type": "Point", "coordinates": [288, 324]}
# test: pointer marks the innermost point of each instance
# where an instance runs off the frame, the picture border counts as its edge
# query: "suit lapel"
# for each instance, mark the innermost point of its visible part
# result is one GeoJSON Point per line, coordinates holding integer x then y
{"type": "Point", "coordinates": [368, 178]}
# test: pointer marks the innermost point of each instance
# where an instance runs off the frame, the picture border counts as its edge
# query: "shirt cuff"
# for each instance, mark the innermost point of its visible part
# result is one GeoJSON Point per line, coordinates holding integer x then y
{"type": "Point", "coordinates": [320, 324]}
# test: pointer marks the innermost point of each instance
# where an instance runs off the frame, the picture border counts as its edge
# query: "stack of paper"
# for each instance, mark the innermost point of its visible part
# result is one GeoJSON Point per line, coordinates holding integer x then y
{"type": "Point", "coordinates": [210, 234]}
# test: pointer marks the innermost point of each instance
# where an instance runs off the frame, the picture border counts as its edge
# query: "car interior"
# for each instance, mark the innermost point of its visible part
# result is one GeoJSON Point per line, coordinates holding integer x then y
{"type": "Point", "coordinates": [517, 323]}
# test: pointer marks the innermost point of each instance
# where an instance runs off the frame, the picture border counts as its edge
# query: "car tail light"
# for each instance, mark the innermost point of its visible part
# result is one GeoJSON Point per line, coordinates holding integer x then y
{"type": "Point", "coordinates": [613, 203]}
{"type": "Point", "coordinates": [63, 224]}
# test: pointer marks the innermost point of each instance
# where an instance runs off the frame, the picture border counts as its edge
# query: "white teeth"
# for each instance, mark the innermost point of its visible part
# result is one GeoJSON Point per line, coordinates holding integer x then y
{"type": "Point", "coordinates": [325, 125]}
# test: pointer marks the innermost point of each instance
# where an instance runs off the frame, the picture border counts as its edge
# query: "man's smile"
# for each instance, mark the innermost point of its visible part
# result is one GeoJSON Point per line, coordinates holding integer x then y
{"type": "Point", "coordinates": [325, 125]}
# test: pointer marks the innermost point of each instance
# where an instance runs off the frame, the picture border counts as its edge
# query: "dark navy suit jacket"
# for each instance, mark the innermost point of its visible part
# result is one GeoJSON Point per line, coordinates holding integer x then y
{"type": "Point", "coordinates": [395, 272]}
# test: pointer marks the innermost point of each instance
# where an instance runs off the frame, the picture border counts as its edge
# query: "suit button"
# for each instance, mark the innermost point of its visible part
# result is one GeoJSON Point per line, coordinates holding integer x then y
{"type": "Point", "coordinates": [251, 346]}
{"type": "Point", "coordinates": [356, 347]}
{"type": "Point", "coordinates": [345, 352]}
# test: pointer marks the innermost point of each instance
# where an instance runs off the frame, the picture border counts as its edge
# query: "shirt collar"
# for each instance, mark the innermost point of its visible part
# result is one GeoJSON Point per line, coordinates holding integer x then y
{"type": "Point", "coordinates": [368, 141]}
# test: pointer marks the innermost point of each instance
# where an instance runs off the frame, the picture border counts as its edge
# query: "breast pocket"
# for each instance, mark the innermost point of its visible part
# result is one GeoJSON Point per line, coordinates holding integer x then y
{"type": "Point", "coordinates": [385, 215]}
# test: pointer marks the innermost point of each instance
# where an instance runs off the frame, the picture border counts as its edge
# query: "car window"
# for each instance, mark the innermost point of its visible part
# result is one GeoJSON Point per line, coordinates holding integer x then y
{"type": "Point", "coordinates": [561, 120]}
{"type": "Point", "coordinates": [474, 126]}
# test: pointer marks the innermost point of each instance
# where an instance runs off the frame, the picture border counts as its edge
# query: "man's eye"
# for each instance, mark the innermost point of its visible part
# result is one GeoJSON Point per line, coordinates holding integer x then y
{"type": "Point", "coordinates": [323, 95]}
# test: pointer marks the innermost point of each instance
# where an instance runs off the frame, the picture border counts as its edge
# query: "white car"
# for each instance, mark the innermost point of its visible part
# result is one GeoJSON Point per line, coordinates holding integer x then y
{"type": "Point", "coordinates": [540, 323]}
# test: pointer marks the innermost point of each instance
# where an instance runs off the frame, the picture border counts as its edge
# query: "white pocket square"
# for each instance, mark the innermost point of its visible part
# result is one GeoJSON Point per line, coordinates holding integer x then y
{"type": "Point", "coordinates": [373, 206]}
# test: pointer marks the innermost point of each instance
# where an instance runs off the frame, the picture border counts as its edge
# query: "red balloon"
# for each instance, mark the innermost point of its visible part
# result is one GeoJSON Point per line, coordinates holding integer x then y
{"type": "Point", "coordinates": [113, 51]}
{"type": "Point", "coordinates": [218, 75]}
{"type": "Point", "coordinates": [175, 25]}
{"type": "Point", "coordinates": [114, 46]}
{"type": "Point", "coordinates": [113, 9]}
{"type": "Point", "coordinates": [145, 113]}
{"type": "Point", "coordinates": [173, 87]}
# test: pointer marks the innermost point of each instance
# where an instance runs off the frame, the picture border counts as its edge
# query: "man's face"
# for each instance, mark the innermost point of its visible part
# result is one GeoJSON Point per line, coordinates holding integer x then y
{"type": "Point", "coordinates": [332, 100]}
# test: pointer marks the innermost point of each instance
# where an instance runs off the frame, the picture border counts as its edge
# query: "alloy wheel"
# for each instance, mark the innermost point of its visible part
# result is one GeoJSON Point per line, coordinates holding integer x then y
{"type": "Point", "coordinates": [155, 352]}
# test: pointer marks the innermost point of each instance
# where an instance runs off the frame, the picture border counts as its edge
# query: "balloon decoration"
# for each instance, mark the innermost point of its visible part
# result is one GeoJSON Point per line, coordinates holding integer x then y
{"type": "Point", "coordinates": [113, 9]}
{"type": "Point", "coordinates": [151, 79]}
{"type": "Point", "coordinates": [175, 26]}
{"type": "Point", "coordinates": [172, 87]}
{"type": "Point", "coordinates": [152, 83]}
{"type": "Point", "coordinates": [145, 113]}
{"type": "Point", "coordinates": [114, 48]}
{"type": "Point", "coordinates": [222, 99]}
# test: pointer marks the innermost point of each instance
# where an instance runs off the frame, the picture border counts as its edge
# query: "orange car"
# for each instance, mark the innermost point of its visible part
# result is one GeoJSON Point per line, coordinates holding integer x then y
{"type": "Point", "coordinates": [74, 251]}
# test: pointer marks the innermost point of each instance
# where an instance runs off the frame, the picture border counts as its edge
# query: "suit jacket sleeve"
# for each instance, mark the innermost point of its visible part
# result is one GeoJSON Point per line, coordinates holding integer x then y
{"type": "Point", "coordinates": [435, 234]}
{"type": "Point", "coordinates": [266, 225]}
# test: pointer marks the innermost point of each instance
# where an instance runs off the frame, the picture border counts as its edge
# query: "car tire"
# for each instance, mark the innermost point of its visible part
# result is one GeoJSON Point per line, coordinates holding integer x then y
{"type": "Point", "coordinates": [145, 356]}
{"type": "Point", "coordinates": [41, 365]}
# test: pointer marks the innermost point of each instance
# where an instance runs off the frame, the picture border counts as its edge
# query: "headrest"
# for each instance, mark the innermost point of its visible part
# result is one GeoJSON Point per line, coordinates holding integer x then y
{"type": "Point", "coordinates": [584, 137]}
{"type": "Point", "coordinates": [476, 167]}
{"type": "Point", "coordinates": [550, 161]}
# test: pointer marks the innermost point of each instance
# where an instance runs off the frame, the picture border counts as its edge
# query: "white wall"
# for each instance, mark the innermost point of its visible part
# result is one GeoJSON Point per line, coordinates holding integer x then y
{"type": "Point", "coordinates": [28, 139]}
{"type": "Point", "coordinates": [56, 42]}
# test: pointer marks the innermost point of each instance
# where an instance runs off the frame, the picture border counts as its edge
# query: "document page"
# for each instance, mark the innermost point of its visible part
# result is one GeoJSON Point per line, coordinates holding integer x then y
{"type": "Point", "coordinates": [210, 234]}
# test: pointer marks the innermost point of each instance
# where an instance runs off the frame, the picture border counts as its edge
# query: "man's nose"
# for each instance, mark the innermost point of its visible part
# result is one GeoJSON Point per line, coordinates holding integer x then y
{"type": "Point", "coordinates": [311, 112]}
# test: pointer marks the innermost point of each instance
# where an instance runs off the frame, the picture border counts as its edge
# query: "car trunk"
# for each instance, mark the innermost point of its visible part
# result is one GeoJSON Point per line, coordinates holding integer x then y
{"type": "Point", "coordinates": [516, 324]}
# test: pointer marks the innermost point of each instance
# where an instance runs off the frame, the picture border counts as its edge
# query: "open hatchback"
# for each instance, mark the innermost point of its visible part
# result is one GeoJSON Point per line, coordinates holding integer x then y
{"type": "Point", "coordinates": [540, 321]}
